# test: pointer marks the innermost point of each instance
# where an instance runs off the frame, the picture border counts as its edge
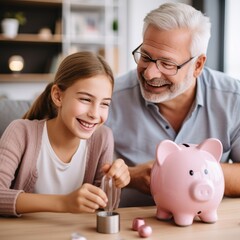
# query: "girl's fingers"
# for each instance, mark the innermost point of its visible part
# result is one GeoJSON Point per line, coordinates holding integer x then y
{"type": "Point", "coordinates": [106, 168]}
{"type": "Point", "coordinates": [122, 181]}
{"type": "Point", "coordinates": [94, 197]}
{"type": "Point", "coordinates": [119, 172]}
{"type": "Point", "coordinates": [117, 169]}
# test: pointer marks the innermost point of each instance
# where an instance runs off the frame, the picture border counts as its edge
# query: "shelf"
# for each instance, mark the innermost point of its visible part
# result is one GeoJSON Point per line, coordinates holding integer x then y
{"type": "Point", "coordinates": [45, 2]}
{"type": "Point", "coordinates": [18, 77]}
{"type": "Point", "coordinates": [31, 38]}
{"type": "Point", "coordinates": [88, 4]}
{"type": "Point", "coordinates": [75, 25]}
{"type": "Point", "coordinates": [91, 39]}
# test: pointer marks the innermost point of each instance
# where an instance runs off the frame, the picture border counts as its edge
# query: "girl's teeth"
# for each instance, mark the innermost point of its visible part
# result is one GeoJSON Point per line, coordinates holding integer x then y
{"type": "Point", "coordinates": [85, 124]}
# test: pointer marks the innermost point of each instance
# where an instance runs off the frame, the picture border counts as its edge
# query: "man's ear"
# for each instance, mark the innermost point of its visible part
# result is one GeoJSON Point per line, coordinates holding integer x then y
{"type": "Point", "coordinates": [56, 95]}
{"type": "Point", "coordinates": [199, 64]}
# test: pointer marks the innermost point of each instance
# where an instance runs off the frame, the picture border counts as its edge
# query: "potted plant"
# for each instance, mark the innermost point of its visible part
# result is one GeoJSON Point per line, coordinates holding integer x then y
{"type": "Point", "coordinates": [11, 22]}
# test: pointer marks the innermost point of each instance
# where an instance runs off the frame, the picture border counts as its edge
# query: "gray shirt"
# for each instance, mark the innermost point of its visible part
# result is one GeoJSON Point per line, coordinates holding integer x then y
{"type": "Point", "coordinates": [138, 126]}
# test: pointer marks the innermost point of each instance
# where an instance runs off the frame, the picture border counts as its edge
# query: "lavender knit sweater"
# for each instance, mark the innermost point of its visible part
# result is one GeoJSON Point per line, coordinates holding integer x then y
{"type": "Point", "coordinates": [19, 148]}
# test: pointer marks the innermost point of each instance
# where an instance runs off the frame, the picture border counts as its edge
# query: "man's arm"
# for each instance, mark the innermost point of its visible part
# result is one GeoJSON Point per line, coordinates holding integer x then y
{"type": "Point", "coordinates": [231, 173]}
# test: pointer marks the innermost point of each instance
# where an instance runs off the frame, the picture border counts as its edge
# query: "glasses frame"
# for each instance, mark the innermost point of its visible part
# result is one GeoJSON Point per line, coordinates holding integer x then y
{"type": "Point", "coordinates": [155, 60]}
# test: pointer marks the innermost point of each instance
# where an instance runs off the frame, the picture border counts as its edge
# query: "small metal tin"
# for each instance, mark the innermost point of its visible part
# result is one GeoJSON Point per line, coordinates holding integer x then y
{"type": "Point", "coordinates": [108, 222]}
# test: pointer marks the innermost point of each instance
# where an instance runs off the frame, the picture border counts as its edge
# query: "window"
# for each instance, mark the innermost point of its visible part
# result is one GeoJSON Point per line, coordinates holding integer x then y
{"type": "Point", "coordinates": [232, 38]}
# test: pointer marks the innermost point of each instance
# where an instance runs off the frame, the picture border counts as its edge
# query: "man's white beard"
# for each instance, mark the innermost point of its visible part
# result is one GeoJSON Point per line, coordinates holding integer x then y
{"type": "Point", "coordinates": [173, 91]}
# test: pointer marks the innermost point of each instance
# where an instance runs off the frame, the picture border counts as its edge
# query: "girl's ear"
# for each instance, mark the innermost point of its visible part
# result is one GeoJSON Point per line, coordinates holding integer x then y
{"type": "Point", "coordinates": [56, 95]}
{"type": "Point", "coordinates": [199, 64]}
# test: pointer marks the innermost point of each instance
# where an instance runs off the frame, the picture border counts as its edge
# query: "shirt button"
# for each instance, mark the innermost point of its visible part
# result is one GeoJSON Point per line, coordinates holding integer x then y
{"type": "Point", "coordinates": [167, 127]}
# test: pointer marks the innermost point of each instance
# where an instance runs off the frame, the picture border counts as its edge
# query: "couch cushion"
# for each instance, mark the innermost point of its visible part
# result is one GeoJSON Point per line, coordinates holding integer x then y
{"type": "Point", "coordinates": [10, 110]}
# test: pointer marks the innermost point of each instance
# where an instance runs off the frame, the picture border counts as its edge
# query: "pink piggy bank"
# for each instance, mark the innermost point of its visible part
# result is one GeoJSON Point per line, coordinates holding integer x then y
{"type": "Point", "coordinates": [187, 181]}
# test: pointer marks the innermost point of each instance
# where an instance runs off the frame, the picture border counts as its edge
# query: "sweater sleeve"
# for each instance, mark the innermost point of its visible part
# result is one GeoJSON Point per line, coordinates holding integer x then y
{"type": "Point", "coordinates": [10, 156]}
{"type": "Point", "coordinates": [15, 144]}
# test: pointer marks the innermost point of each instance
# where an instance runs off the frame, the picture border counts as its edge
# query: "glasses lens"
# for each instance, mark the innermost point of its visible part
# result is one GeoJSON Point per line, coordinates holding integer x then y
{"type": "Point", "coordinates": [166, 67]}
{"type": "Point", "coordinates": [137, 56]}
{"type": "Point", "coordinates": [142, 59]}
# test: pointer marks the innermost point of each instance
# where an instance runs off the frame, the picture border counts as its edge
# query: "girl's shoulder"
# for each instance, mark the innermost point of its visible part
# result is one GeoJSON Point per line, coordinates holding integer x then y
{"type": "Point", "coordinates": [24, 126]}
{"type": "Point", "coordinates": [26, 123]}
{"type": "Point", "coordinates": [102, 137]}
{"type": "Point", "coordinates": [103, 132]}
{"type": "Point", "coordinates": [22, 133]}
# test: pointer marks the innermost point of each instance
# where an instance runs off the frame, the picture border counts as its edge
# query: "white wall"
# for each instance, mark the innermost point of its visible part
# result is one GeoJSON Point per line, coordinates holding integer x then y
{"type": "Point", "coordinates": [232, 38]}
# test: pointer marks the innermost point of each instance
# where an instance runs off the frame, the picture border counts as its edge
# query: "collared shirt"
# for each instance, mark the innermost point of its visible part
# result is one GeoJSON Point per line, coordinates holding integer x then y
{"type": "Point", "coordinates": [138, 127]}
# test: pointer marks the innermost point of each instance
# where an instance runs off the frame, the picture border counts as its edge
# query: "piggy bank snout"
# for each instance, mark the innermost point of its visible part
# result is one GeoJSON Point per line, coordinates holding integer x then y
{"type": "Point", "coordinates": [202, 191]}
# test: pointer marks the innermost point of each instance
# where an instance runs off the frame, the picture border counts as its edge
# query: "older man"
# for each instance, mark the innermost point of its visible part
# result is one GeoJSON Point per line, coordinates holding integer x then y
{"type": "Point", "coordinates": [173, 96]}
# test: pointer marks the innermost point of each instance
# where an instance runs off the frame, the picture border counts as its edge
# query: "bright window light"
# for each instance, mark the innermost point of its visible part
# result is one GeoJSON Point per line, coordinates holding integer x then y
{"type": "Point", "coordinates": [232, 38]}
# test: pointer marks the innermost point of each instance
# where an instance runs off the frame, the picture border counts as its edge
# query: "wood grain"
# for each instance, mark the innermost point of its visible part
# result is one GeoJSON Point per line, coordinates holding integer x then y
{"type": "Point", "coordinates": [59, 226]}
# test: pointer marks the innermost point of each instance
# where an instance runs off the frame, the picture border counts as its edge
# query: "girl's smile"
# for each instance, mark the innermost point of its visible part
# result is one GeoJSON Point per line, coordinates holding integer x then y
{"type": "Point", "coordinates": [84, 106]}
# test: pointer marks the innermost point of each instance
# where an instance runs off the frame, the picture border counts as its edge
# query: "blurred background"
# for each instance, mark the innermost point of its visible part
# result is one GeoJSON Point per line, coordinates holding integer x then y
{"type": "Point", "coordinates": [48, 30]}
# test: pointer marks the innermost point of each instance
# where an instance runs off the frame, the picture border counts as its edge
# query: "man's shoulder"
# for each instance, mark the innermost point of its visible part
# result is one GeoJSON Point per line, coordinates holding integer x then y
{"type": "Point", "coordinates": [219, 80]}
{"type": "Point", "coordinates": [211, 73]}
{"type": "Point", "coordinates": [126, 81]}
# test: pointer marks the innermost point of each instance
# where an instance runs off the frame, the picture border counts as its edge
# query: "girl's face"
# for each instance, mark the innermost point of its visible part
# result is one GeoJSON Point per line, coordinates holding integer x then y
{"type": "Point", "coordinates": [84, 106]}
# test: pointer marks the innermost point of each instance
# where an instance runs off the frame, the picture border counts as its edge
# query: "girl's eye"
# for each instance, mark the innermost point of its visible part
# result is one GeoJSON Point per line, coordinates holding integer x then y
{"type": "Point", "coordinates": [85, 99]}
{"type": "Point", "coordinates": [106, 104]}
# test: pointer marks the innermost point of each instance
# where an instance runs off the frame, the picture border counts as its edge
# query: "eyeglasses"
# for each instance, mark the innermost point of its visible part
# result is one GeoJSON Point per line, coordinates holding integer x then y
{"type": "Point", "coordinates": [164, 66]}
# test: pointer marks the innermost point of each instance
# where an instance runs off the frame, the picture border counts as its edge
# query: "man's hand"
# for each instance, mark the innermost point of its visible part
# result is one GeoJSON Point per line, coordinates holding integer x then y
{"type": "Point", "coordinates": [231, 173]}
{"type": "Point", "coordinates": [140, 176]}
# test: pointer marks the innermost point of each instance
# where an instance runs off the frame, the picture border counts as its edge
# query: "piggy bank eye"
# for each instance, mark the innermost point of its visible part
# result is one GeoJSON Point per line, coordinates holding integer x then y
{"type": "Point", "coordinates": [206, 171]}
{"type": "Point", "coordinates": [191, 172]}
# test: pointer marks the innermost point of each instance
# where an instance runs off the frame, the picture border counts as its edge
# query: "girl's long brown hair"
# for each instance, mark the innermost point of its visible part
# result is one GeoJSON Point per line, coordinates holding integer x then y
{"type": "Point", "coordinates": [74, 67]}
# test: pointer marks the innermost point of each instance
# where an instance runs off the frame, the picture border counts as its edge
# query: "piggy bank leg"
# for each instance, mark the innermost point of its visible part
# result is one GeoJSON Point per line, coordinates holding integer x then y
{"type": "Point", "coordinates": [209, 217]}
{"type": "Point", "coordinates": [163, 215]}
{"type": "Point", "coordinates": [183, 219]}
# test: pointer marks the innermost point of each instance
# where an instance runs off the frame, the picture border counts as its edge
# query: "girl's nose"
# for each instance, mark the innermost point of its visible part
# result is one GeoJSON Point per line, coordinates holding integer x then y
{"type": "Point", "coordinates": [93, 112]}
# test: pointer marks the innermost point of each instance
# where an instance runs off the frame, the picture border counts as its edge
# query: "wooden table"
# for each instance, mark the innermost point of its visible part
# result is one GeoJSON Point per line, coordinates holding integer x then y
{"type": "Point", "coordinates": [50, 226]}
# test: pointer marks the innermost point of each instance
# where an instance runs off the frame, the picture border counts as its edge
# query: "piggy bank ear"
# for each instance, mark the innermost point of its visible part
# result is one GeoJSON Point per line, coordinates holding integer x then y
{"type": "Point", "coordinates": [213, 146]}
{"type": "Point", "coordinates": [164, 148]}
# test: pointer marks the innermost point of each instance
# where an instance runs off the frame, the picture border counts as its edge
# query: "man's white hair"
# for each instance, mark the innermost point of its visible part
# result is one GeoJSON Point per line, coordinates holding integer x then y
{"type": "Point", "coordinates": [179, 15]}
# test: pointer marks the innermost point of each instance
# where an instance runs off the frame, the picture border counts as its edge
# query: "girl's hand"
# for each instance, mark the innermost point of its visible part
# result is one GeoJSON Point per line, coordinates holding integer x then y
{"type": "Point", "coordinates": [119, 172]}
{"type": "Point", "coordinates": [88, 198]}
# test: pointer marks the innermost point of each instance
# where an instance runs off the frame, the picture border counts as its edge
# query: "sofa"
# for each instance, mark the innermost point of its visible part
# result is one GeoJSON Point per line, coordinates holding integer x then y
{"type": "Point", "coordinates": [10, 110]}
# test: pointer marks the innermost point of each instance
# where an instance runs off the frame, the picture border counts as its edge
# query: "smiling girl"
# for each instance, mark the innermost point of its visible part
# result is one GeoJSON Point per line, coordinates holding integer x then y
{"type": "Point", "coordinates": [53, 160]}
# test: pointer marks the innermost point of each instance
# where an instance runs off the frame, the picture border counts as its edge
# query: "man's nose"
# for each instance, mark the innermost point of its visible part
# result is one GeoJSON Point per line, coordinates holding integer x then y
{"type": "Point", "coordinates": [152, 71]}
